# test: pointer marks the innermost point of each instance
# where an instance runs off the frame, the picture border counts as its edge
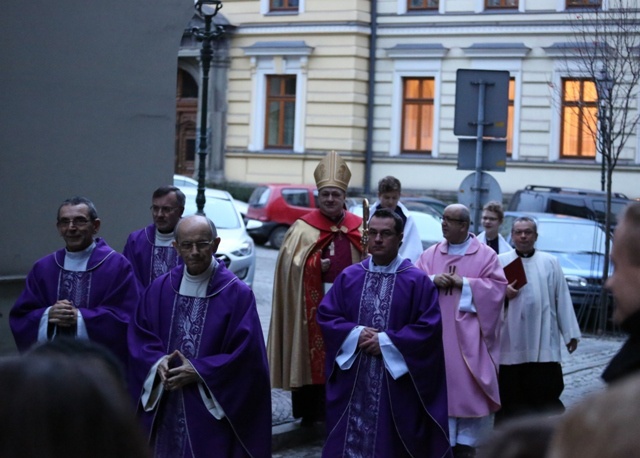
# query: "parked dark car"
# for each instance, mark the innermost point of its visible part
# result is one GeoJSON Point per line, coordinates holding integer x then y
{"type": "Point", "coordinates": [579, 245]}
{"type": "Point", "coordinates": [276, 207]}
{"type": "Point", "coordinates": [583, 203]}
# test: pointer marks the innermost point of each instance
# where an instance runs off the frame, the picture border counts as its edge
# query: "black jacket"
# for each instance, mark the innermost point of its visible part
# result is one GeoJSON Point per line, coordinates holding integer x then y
{"type": "Point", "coordinates": [627, 360]}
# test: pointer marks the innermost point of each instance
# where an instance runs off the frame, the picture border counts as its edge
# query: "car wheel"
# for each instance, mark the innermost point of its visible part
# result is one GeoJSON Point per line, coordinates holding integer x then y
{"type": "Point", "coordinates": [277, 236]}
{"type": "Point", "coordinates": [258, 240]}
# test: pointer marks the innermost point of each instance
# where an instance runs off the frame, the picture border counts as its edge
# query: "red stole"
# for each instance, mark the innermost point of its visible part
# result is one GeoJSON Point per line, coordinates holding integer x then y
{"type": "Point", "coordinates": [343, 236]}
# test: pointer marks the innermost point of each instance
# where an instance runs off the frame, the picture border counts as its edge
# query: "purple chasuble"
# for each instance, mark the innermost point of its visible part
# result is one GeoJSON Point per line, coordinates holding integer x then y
{"type": "Point", "coordinates": [222, 337]}
{"type": "Point", "coordinates": [106, 294]}
{"type": "Point", "coordinates": [148, 260]}
{"type": "Point", "coordinates": [369, 414]}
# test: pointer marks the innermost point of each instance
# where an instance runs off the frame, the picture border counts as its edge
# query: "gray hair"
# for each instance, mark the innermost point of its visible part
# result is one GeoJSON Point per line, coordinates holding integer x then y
{"type": "Point", "coordinates": [164, 190]}
{"type": "Point", "coordinates": [525, 219]}
{"type": "Point", "coordinates": [78, 200]}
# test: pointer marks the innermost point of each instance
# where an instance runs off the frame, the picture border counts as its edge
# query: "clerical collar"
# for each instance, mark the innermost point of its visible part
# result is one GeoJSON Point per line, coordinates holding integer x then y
{"type": "Point", "coordinates": [526, 255]}
{"type": "Point", "coordinates": [196, 285]}
{"type": "Point", "coordinates": [76, 261]}
{"type": "Point", "coordinates": [392, 267]}
{"type": "Point", "coordinates": [164, 239]}
{"type": "Point", "coordinates": [459, 248]}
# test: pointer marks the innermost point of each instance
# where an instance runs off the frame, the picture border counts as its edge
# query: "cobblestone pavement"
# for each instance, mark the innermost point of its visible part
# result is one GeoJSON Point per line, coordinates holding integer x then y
{"type": "Point", "coordinates": [581, 376]}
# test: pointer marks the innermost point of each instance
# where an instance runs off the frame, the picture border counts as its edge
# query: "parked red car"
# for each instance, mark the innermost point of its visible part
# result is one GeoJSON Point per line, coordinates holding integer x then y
{"type": "Point", "coordinates": [276, 207]}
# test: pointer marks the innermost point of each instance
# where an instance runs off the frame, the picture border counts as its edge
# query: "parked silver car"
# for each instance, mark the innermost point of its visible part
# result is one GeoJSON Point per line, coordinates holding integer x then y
{"type": "Point", "coordinates": [236, 248]}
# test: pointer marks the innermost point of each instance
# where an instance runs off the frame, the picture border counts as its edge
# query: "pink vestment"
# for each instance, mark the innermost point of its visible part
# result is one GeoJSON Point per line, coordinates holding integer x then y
{"type": "Point", "coordinates": [471, 340]}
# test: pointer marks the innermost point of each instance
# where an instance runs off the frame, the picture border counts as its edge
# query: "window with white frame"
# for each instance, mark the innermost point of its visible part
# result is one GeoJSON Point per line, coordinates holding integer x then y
{"type": "Point", "coordinates": [282, 6]}
{"type": "Point", "coordinates": [278, 95]}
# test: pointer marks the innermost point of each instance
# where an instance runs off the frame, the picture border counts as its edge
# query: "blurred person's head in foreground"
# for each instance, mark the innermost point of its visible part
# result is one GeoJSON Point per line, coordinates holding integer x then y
{"type": "Point", "coordinates": [57, 406]}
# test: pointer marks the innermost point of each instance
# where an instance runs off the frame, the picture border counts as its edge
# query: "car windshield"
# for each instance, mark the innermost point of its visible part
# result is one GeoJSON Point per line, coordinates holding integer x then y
{"type": "Point", "coordinates": [221, 211]}
{"type": "Point", "coordinates": [568, 237]}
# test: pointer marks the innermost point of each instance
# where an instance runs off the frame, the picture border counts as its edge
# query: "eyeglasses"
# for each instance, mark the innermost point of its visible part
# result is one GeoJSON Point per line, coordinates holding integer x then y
{"type": "Point", "coordinates": [384, 234]}
{"type": "Point", "coordinates": [489, 218]}
{"type": "Point", "coordinates": [155, 209]}
{"type": "Point", "coordinates": [200, 246]}
{"type": "Point", "coordinates": [526, 232]}
{"type": "Point", "coordinates": [77, 222]}
{"type": "Point", "coordinates": [446, 219]}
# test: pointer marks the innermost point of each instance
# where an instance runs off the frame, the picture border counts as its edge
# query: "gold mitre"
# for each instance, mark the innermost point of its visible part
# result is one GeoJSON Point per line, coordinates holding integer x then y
{"type": "Point", "coordinates": [332, 171]}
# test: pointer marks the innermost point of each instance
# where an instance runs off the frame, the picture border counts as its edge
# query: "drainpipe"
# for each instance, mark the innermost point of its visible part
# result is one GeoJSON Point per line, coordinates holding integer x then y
{"type": "Point", "coordinates": [370, 96]}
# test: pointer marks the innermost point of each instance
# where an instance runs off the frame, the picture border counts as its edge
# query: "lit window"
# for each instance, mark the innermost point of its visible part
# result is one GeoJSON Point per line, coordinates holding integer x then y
{"type": "Point", "coordinates": [579, 118]}
{"type": "Point", "coordinates": [510, 115]}
{"type": "Point", "coordinates": [417, 115]}
{"type": "Point", "coordinates": [413, 5]}
{"type": "Point", "coordinates": [281, 110]}
{"type": "Point", "coordinates": [489, 4]}
{"type": "Point", "coordinates": [283, 5]}
{"type": "Point", "coordinates": [571, 3]}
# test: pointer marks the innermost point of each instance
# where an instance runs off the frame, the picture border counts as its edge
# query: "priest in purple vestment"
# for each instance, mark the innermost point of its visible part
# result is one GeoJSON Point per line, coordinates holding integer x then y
{"type": "Point", "coordinates": [150, 249]}
{"type": "Point", "coordinates": [386, 387]}
{"type": "Point", "coordinates": [199, 367]}
{"type": "Point", "coordinates": [472, 286]}
{"type": "Point", "coordinates": [86, 290]}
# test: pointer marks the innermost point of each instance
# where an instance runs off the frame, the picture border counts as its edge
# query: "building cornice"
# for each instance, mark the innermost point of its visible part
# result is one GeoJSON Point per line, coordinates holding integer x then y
{"type": "Point", "coordinates": [497, 50]}
{"type": "Point", "coordinates": [412, 50]}
{"type": "Point", "coordinates": [461, 29]}
{"type": "Point", "coordinates": [279, 48]}
{"type": "Point", "coordinates": [360, 28]}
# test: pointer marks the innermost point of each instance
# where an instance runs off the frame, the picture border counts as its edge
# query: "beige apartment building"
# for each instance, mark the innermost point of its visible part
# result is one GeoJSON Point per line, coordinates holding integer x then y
{"type": "Point", "coordinates": [302, 73]}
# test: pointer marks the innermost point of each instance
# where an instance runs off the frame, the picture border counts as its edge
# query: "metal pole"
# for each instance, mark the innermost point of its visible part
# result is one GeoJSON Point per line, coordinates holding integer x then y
{"type": "Point", "coordinates": [482, 86]}
{"type": "Point", "coordinates": [371, 96]}
{"type": "Point", "coordinates": [603, 142]}
{"type": "Point", "coordinates": [206, 55]}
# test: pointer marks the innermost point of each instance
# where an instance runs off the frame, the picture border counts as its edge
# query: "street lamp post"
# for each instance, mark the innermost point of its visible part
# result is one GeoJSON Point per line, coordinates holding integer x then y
{"type": "Point", "coordinates": [206, 9]}
{"type": "Point", "coordinates": [604, 85]}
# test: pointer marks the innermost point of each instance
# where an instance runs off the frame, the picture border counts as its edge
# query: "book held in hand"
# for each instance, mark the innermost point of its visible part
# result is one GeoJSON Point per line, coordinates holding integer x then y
{"type": "Point", "coordinates": [515, 271]}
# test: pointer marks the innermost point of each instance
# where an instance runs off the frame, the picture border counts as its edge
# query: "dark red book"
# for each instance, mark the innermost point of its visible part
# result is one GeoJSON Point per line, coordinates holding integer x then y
{"type": "Point", "coordinates": [515, 271]}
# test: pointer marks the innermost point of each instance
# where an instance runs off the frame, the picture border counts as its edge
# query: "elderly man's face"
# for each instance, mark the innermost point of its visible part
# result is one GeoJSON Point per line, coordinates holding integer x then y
{"type": "Point", "coordinates": [454, 228]}
{"type": "Point", "coordinates": [76, 227]}
{"type": "Point", "coordinates": [624, 281]}
{"type": "Point", "coordinates": [331, 201]}
{"type": "Point", "coordinates": [195, 244]}
{"type": "Point", "coordinates": [166, 212]}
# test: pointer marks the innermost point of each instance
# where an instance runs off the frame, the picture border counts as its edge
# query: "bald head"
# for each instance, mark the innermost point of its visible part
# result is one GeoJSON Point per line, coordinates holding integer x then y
{"type": "Point", "coordinates": [455, 223]}
{"type": "Point", "coordinates": [188, 223]}
{"type": "Point", "coordinates": [196, 240]}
